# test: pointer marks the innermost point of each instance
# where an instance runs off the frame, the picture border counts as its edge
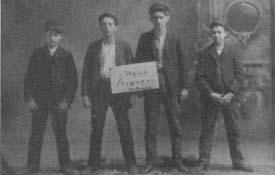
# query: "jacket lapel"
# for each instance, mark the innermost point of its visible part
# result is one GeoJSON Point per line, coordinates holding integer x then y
{"type": "Point", "coordinates": [53, 58]}
{"type": "Point", "coordinates": [57, 54]}
{"type": "Point", "coordinates": [98, 47]}
{"type": "Point", "coordinates": [46, 52]}
{"type": "Point", "coordinates": [118, 53]}
{"type": "Point", "coordinates": [165, 46]}
{"type": "Point", "coordinates": [221, 60]}
{"type": "Point", "coordinates": [214, 54]}
{"type": "Point", "coordinates": [224, 57]}
{"type": "Point", "coordinates": [153, 46]}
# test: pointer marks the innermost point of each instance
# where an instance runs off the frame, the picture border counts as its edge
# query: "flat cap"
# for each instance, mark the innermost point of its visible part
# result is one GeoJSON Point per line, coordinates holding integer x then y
{"type": "Point", "coordinates": [53, 25]}
{"type": "Point", "coordinates": [158, 7]}
{"type": "Point", "coordinates": [218, 22]}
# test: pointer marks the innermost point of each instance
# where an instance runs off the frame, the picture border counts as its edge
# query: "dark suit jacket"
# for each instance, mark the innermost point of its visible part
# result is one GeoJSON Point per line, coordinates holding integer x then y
{"type": "Point", "coordinates": [221, 74]}
{"type": "Point", "coordinates": [172, 59]}
{"type": "Point", "coordinates": [91, 75]}
{"type": "Point", "coordinates": [64, 77]}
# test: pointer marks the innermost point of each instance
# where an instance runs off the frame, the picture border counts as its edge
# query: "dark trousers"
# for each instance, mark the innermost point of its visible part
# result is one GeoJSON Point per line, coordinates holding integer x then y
{"type": "Point", "coordinates": [102, 101]}
{"type": "Point", "coordinates": [152, 103]}
{"type": "Point", "coordinates": [209, 118]}
{"type": "Point", "coordinates": [59, 121]}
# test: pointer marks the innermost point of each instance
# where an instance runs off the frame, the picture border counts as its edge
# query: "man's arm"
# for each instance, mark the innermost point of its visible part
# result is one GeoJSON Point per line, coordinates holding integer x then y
{"type": "Point", "coordinates": [140, 51]}
{"type": "Point", "coordinates": [183, 81]}
{"type": "Point", "coordinates": [139, 58]}
{"type": "Point", "coordinates": [72, 80]}
{"type": "Point", "coordinates": [128, 54]}
{"type": "Point", "coordinates": [28, 82]}
{"type": "Point", "coordinates": [85, 79]}
{"type": "Point", "coordinates": [129, 60]}
{"type": "Point", "coordinates": [237, 82]}
{"type": "Point", "coordinates": [85, 74]}
{"type": "Point", "coordinates": [183, 77]}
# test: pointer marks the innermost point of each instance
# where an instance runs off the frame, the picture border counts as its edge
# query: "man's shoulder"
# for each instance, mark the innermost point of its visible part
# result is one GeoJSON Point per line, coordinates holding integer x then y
{"type": "Point", "coordinates": [39, 50]}
{"type": "Point", "coordinates": [206, 48]}
{"type": "Point", "coordinates": [43, 49]}
{"type": "Point", "coordinates": [122, 42]}
{"type": "Point", "coordinates": [172, 35]}
{"type": "Point", "coordinates": [64, 51]}
{"type": "Point", "coordinates": [94, 43]}
{"type": "Point", "coordinates": [147, 34]}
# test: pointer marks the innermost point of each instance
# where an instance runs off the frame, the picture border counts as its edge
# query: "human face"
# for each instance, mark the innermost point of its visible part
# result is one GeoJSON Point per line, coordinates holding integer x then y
{"type": "Point", "coordinates": [108, 26]}
{"type": "Point", "coordinates": [53, 38]}
{"type": "Point", "coordinates": [218, 34]}
{"type": "Point", "coordinates": [159, 20]}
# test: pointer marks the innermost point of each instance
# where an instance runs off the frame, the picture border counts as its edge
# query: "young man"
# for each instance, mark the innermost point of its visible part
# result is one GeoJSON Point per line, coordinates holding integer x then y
{"type": "Point", "coordinates": [219, 78]}
{"type": "Point", "coordinates": [101, 56]}
{"type": "Point", "coordinates": [164, 47]}
{"type": "Point", "coordinates": [50, 86]}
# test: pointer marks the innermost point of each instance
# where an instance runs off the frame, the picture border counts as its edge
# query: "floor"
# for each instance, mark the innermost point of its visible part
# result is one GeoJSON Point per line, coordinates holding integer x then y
{"type": "Point", "coordinates": [260, 153]}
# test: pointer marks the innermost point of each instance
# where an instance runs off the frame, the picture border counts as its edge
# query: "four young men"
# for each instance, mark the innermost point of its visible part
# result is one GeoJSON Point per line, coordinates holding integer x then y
{"type": "Point", "coordinates": [51, 83]}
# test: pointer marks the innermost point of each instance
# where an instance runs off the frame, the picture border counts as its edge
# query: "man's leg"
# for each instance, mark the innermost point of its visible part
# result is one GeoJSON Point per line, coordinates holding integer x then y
{"type": "Point", "coordinates": [125, 134]}
{"type": "Point", "coordinates": [96, 135]}
{"type": "Point", "coordinates": [39, 120]}
{"type": "Point", "coordinates": [175, 124]}
{"type": "Point", "coordinates": [233, 136]}
{"type": "Point", "coordinates": [152, 104]}
{"type": "Point", "coordinates": [59, 123]}
{"type": "Point", "coordinates": [208, 122]}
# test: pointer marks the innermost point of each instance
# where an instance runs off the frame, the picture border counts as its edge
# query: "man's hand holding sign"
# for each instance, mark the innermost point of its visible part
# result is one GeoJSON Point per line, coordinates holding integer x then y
{"type": "Point", "coordinates": [137, 77]}
{"type": "Point", "coordinates": [134, 77]}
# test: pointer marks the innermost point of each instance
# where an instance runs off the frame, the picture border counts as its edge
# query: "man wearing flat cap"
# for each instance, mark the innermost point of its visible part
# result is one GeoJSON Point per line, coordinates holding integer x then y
{"type": "Point", "coordinates": [163, 47]}
{"type": "Point", "coordinates": [219, 78]}
{"type": "Point", "coordinates": [49, 89]}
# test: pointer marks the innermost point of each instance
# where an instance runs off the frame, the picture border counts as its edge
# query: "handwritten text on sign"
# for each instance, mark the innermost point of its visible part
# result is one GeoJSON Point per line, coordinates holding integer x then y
{"type": "Point", "coordinates": [134, 77]}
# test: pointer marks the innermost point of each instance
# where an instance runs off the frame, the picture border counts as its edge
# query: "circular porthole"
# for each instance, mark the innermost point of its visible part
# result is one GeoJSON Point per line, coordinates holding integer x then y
{"type": "Point", "coordinates": [243, 16]}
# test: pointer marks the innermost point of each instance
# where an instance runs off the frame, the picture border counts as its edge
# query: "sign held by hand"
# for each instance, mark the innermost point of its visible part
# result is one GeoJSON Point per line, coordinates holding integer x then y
{"type": "Point", "coordinates": [134, 77]}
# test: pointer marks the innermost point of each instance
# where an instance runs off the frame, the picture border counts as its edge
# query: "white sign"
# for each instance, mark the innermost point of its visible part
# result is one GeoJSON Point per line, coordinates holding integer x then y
{"type": "Point", "coordinates": [134, 77]}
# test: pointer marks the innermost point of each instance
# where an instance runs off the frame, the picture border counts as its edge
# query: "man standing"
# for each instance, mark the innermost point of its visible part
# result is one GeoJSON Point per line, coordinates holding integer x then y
{"type": "Point", "coordinates": [50, 86]}
{"type": "Point", "coordinates": [219, 78]}
{"type": "Point", "coordinates": [101, 57]}
{"type": "Point", "coordinates": [164, 47]}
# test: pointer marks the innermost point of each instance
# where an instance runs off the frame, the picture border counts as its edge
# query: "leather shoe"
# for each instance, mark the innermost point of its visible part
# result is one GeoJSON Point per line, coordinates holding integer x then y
{"type": "Point", "coordinates": [181, 167]}
{"type": "Point", "coordinates": [201, 167]}
{"type": "Point", "coordinates": [133, 169]}
{"type": "Point", "coordinates": [242, 167]}
{"type": "Point", "coordinates": [28, 170]}
{"type": "Point", "coordinates": [70, 171]}
{"type": "Point", "coordinates": [148, 168]}
{"type": "Point", "coordinates": [88, 170]}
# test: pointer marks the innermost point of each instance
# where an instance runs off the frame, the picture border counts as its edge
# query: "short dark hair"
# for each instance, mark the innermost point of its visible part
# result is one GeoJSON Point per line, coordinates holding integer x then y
{"type": "Point", "coordinates": [216, 24]}
{"type": "Point", "coordinates": [107, 15]}
{"type": "Point", "coordinates": [158, 7]}
{"type": "Point", "coordinates": [53, 25]}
